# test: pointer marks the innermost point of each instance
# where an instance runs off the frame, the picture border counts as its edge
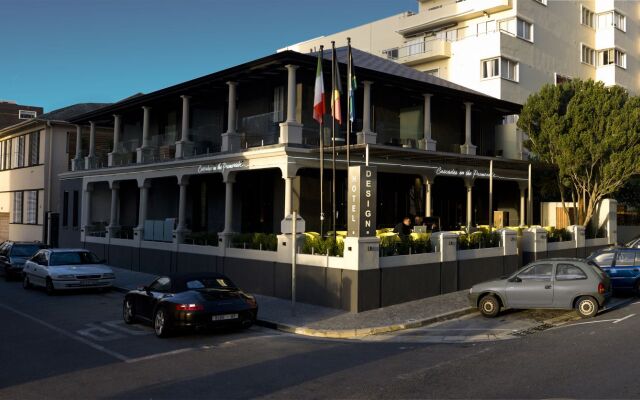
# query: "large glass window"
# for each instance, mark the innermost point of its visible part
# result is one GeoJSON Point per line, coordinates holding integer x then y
{"type": "Point", "coordinates": [588, 55]}
{"type": "Point", "coordinates": [65, 209]}
{"type": "Point", "coordinates": [509, 69]}
{"type": "Point", "coordinates": [612, 18]}
{"type": "Point", "coordinates": [34, 148]}
{"type": "Point", "coordinates": [537, 272]}
{"type": "Point", "coordinates": [569, 272]}
{"type": "Point", "coordinates": [16, 217]}
{"type": "Point", "coordinates": [518, 27]}
{"type": "Point", "coordinates": [491, 68]}
{"type": "Point", "coordinates": [612, 56]}
{"type": "Point", "coordinates": [587, 17]}
{"type": "Point", "coordinates": [32, 207]}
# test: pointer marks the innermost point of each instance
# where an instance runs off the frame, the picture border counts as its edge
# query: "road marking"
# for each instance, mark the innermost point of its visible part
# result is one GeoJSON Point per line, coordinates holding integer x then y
{"type": "Point", "coordinates": [614, 321]}
{"type": "Point", "coordinates": [622, 319]}
{"type": "Point", "coordinates": [98, 333]}
{"type": "Point", "coordinates": [158, 355]}
{"type": "Point", "coordinates": [121, 326]}
{"type": "Point", "coordinates": [466, 329]}
{"type": "Point", "coordinates": [68, 334]}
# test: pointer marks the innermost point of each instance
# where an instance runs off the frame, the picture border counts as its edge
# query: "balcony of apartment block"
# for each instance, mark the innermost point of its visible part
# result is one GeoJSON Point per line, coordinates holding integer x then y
{"type": "Point", "coordinates": [422, 52]}
{"type": "Point", "coordinates": [450, 12]}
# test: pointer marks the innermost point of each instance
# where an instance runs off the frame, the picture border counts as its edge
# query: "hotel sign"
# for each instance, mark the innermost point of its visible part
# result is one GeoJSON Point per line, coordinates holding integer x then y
{"type": "Point", "coordinates": [463, 173]}
{"type": "Point", "coordinates": [362, 197]}
{"type": "Point", "coordinates": [220, 167]}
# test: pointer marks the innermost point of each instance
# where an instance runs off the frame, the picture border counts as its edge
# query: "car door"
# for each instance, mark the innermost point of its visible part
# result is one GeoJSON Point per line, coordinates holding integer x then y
{"type": "Point", "coordinates": [146, 302]}
{"type": "Point", "coordinates": [531, 288]}
{"type": "Point", "coordinates": [39, 268]}
{"type": "Point", "coordinates": [624, 270]}
{"type": "Point", "coordinates": [569, 282]}
{"type": "Point", "coordinates": [4, 254]}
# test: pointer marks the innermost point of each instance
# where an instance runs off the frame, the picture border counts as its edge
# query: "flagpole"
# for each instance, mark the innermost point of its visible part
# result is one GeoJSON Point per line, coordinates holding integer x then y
{"type": "Point", "coordinates": [349, 104]}
{"type": "Point", "coordinates": [333, 137]}
{"type": "Point", "coordinates": [322, 160]}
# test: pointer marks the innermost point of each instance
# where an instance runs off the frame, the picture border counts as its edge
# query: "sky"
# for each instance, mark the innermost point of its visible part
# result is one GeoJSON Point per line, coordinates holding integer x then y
{"type": "Point", "coordinates": [60, 52]}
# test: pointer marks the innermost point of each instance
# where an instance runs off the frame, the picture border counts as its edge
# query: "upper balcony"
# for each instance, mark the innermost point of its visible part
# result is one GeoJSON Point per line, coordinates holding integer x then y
{"type": "Point", "coordinates": [418, 53]}
{"type": "Point", "coordinates": [451, 12]}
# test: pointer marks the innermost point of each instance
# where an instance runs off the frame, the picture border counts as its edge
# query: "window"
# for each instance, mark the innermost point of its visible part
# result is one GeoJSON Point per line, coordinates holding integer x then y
{"type": "Point", "coordinates": [65, 209]}
{"type": "Point", "coordinates": [32, 207]}
{"type": "Point", "coordinates": [569, 272]}
{"type": "Point", "coordinates": [34, 148]}
{"type": "Point", "coordinates": [76, 206]}
{"type": "Point", "coordinates": [486, 27]}
{"type": "Point", "coordinates": [26, 114]}
{"type": "Point", "coordinates": [625, 258]}
{"type": "Point", "coordinates": [509, 69]}
{"type": "Point", "coordinates": [73, 258]}
{"type": "Point", "coordinates": [612, 18]}
{"type": "Point", "coordinates": [518, 27]}
{"type": "Point", "coordinates": [604, 259]}
{"type": "Point", "coordinates": [588, 55]}
{"type": "Point", "coordinates": [20, 152]}
{"type": "Point", "coordinates": [1, 155]}
{"type": "Point", "coordinates": [491, 68]}
{"type": "Point", "coordinates": [612, 56]}
{"type": "Point", "coordinates": [7, 155]}
{"type": "Point", "coordinates": [278, 104]}
{"type": "Point", "coordinates": [17, 208]}
{"type": "Point", "coordinates": [587, 17]}
{"type": "Point", "coordinates": [162, 284]}
{"type": "Point", "coordinates": [538, 272]}
{"type": "Point", "coordinates": [560, 79]}
{"type": "Point", "coordinates": [392, 54]}
{"type": "Point", "coordinates": [40, 258]}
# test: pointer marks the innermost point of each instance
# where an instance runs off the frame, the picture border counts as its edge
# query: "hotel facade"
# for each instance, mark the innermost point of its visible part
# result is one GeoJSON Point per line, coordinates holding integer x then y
{"type": "Point", "coordinates": [237, 152]}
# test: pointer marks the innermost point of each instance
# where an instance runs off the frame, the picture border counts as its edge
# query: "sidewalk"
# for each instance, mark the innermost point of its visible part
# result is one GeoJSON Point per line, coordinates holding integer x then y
{"type": "Point", "coordinates": [325, 322]}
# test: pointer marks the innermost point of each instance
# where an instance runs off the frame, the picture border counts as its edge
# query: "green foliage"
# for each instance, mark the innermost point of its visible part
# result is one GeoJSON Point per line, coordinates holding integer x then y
{"type": "Point", "coordinates": [202, 238]}
{"type": "Point", "coordinates": [317, 245]}
{"type": "Point", "coordinates": [590, 133]}
{"type": "Point", "coordinates": [557, 235]}
{"type": "Point", "coordinates": [255, 241]}
{"type": "Point", "coordinates": [478, 240]}
{"type": "Point", "coordinates": [393, 245]}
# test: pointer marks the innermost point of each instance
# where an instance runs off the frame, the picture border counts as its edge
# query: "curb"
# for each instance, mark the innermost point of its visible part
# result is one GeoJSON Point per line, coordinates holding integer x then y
{"type": "Point", "coordinates": [362, 332]}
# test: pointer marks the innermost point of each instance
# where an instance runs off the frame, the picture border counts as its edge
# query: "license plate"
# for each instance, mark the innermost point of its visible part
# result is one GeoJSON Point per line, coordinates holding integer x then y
{"type": "Point", "coordinates": [87, 283]}
{"type": "Point", "coordinates": [224, 317]}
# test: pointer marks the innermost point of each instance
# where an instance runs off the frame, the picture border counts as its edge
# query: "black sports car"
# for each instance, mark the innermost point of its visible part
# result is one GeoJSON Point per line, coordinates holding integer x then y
{"type": "Point", "coordinates": [196, 300]}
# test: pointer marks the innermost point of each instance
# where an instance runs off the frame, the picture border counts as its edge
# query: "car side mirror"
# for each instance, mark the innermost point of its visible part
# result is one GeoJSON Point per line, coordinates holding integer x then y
{"type": "Point", "coordinates": [515, 279]}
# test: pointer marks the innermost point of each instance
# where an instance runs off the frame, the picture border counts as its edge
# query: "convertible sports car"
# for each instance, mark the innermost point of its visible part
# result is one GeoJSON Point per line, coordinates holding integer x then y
{"type": "Point", "coordinates": [196, 300]}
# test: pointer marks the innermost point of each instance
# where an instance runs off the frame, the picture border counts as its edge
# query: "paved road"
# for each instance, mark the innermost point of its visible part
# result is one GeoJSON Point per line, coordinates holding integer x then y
{"type": "Point", "coordinates": [73, 346]}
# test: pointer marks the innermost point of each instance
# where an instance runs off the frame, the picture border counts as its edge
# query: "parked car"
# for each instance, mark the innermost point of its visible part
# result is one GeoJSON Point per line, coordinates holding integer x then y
{"type": "Point", "coordinates": [13, 255]}
{"type": "Point", "coordinates": [633, 243]}
{"type": "Point", "coordinates": [622, 264]}
{"type": "Point", "coordinates": [201, 300]}
{"type": "Point", "coordinates": [560, 283]}
{"type": "Point", "coordinates": [66, 269]}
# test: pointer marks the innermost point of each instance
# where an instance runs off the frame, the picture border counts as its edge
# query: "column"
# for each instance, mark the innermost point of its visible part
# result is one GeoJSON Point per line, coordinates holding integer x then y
{"type": "Point", "coordinates": [288, 195]}
{"type": "Point", "coordinates": [181, 229]}
{"type": "Point", "coordinates": [523, 189]}
{"type": "Point", "coordinates": [429, 144]}
{"type": "Point", "coordinates": [117, 120]}
{"type": "Point", "coordinates": [467, 147]}
{"type": "Point", "coordinates": [114, 220]}
{"type": "Point", "coordinates": [468, 183]}
{"type": "Point", "coordinates": [143, 151]}
{"type": "Point", "coordinates": [225, 236]}
{"type": "Point", "coordinates": [184, 147]}
{"type": "Point", "coordinates": [230, 139]}
{"type": "Point", "coordinates": [427, 196]}
{"type": "Point", "coordinates": [85, 222]}
{"type": "Point", "coordinates": [366, 136]}
{"type": "Point", "coordinates": [291, 129]}
{"type": "Point", "coordinates": [90, 160]}
{"type": "Point", "coordinates": [77, 160]}
{"type": "Point", "coordinates": [142, 209]}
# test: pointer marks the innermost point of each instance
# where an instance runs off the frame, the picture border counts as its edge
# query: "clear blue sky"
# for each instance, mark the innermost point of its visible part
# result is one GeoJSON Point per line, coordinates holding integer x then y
{"type": "Point", "coordinates": [60, 52]}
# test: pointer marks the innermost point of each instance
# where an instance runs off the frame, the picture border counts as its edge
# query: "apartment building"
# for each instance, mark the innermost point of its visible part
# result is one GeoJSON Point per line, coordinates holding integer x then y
{"type": "Point", "coordinates": [32, 154]}
{"type": "Point", "coordinates": [12, 113]}
{"type": "Point", "coordinates": [507, 48]}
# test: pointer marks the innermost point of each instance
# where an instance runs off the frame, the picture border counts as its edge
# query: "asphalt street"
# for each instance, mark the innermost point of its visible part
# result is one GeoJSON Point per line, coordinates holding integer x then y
{"type": "Point", "coordinates": [74, 346]}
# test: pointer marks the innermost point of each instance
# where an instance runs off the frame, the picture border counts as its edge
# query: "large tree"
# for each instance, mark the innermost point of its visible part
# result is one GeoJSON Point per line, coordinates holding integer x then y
{"type": "Point", "coordinates": [590, 133]}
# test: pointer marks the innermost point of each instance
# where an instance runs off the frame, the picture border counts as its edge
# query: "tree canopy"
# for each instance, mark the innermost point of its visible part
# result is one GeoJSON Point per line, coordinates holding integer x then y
{"type": "Point", "coordinates": [590, 133]}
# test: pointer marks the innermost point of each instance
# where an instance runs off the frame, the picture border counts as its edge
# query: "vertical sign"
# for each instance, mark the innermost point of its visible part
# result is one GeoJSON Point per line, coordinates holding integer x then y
{"type": "Point", "coordinates": [362, 195]}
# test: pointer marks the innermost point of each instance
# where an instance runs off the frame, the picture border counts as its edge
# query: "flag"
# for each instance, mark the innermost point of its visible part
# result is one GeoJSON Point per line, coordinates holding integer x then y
{"type": "Point", "coordinates": [336, 110]}
{"type": "Point", "coordinates": [319, 107]}
{"type": "Point", "coordinates": [353, 86]}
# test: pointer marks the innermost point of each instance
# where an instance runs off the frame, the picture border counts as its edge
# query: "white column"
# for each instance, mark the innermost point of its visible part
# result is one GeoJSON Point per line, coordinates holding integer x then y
{"type": "Point", "coordinates": [77, 160]}
{"type": "Point", "coordinates": [523, 189]}
{"type": "Point", "coordinates": [230, 139]}
{"type": "Point", "coordinates": [467, 147]}
{"type": "Point", "coordinates": [86, 207]}
{"type": "Point", "coordinates": [288, 195]}
{"type": "Point", "coordinates": [366, 136]}
{"type": "Point", "coordinates": [429, 143]}
{"type": "Point", "coordinates": [114, 220]}
{"type": "Point", "coordinates": [228, 203]}
{"type": "Point", "coordinates": [117, 120]}
{"type": "Point", "coordinates": [469, 185]}
{"type": "Point", "coordinates": [291, 129]}
{"type": "Point", "coordinates": [142, 208]}
{"type": "Point", "coordinates": [427, 196]}
{"type": "Point", "coordinates": [145, 126]}
{"type": "Point", "coordinates": [181, 228]}
{"type": "Point", "coordinates": [92, 139]}
{"type": "Point", "coordinates": [184, 146]}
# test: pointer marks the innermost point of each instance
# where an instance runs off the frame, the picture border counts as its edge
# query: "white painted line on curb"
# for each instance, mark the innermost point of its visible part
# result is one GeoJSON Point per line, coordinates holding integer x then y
{"type": "Point", "coordinates": [623, 318]}
{"type": "Point", "coordinates": [68, 334]}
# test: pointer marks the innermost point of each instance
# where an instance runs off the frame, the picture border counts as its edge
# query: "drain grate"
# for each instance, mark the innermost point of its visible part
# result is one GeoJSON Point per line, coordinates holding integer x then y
{"type": "Point", "coordinates": [531, 331]}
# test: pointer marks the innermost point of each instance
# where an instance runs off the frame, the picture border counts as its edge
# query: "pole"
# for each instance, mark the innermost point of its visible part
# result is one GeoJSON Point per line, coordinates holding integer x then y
{"type": "Point", "coordinates": [334, 68]}
{"type": "Point", "coordinates": [366, 154]}
{"type": "Point", "coordinates": [322, 157]}
{"type": "Point", "coordinates": [294, 235]}
{"type": "Point", "coordinates": [491, 196]}
{"type": "Point", "coordinates": [529, 203]}
{"type": "Point", "coordinates": [349, 105]}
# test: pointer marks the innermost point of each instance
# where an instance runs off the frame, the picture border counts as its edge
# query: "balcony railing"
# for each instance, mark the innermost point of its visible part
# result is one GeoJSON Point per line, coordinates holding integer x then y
{"type": "Point", "coordinates": [261, 129]}
{"type": "Point", "coordinates": [423, 51]}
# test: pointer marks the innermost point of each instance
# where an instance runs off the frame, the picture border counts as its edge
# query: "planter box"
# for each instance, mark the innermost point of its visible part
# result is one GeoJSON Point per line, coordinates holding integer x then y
{"type": "Point", "coordinates": [412, 259]}
{"type": "Point", "coordinates": [480, 253]}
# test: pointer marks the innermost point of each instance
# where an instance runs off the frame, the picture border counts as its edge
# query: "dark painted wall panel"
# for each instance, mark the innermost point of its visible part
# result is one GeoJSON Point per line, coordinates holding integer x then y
{"type": "Point", "coordinates": [448, 277]}
{"type": "Point", "coordinates": [402, 284]}
{"type": "Point", "coordinates": [368, 290]}
{"type": "Point", "coordinates": [155, 261]}
{"type": "Point", "coordinates": [478, 270]}
{"type": "Point", "coordinates": [251, 275]}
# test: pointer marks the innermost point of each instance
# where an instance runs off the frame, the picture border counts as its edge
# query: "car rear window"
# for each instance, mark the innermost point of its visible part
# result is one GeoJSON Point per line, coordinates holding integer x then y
{"type": "Point", "coordinates": [596, 269]}
{"type": "Point", "coordinates": [24, 250]}
{"type": "Point", "coordinates": [73, 258]}
{"type": "Point", "coordinates": [209, 283]}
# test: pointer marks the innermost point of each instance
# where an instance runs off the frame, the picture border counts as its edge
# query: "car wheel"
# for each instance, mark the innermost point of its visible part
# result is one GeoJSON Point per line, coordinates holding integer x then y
{"type": "Point", "coordinates": [49, 287]}
{"type": "Point", "coordinates": [489, 306]}
{"type": "Point", "coordinates": [128, 313]}
{"type": "Point", "coordinates": [26, 284]}
{"type": "Point", "coordinates": [160, 324]}
{"type": "Point", "coordinates": [587, 307]}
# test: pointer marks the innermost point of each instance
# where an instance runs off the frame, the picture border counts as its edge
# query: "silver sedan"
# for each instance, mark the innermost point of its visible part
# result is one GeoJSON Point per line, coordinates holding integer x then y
{"type": "Point", "coordinates": [558, 283]}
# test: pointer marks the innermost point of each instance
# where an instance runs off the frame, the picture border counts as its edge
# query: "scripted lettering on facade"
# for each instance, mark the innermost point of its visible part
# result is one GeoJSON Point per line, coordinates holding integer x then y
{"type": "Point", "coordinates": [219, 167]}
{"type": "Point", "coordinates": [464, 173]}
{"type": "Point", "coordinates": [362, 201]}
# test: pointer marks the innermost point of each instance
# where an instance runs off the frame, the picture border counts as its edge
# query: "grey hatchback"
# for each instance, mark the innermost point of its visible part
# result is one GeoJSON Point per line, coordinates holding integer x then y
{"type": "Point", "coordinates": [561, 283]}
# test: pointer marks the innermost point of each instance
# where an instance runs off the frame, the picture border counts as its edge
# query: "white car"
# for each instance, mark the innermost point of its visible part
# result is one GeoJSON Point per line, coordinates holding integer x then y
{"type": "Point", "coordinates": [65, 269]}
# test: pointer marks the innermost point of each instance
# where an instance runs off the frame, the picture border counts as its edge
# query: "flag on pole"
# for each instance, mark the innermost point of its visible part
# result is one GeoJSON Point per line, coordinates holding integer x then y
{"type": "Point", "coordinates": [353, 86]}
{"type": "Point", "coordinates": [336, 110]}
{"type": "Point", "coordinates": [319, 106]}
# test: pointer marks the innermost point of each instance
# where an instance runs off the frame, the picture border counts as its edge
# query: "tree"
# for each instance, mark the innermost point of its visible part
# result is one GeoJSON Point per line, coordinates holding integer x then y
{"type": "Point", "coordinates": [590, 133]}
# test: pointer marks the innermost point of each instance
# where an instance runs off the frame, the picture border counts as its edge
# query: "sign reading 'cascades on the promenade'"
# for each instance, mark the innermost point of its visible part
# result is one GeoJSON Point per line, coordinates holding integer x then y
{"type": "Point", "coordinates": [220, 167]}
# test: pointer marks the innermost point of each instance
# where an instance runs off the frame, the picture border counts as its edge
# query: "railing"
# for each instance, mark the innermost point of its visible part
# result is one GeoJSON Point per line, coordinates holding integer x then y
{"type": "Point", "coordinates": [260, 130]}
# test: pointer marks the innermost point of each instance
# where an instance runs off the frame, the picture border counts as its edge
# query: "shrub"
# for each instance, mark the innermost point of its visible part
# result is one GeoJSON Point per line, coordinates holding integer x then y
{"type": "Point", "coordinates": [202, 238]}
{"type": "Point", "coordinates": [557, 235]}
{"type": "Point", "coordinates": [255, 241]}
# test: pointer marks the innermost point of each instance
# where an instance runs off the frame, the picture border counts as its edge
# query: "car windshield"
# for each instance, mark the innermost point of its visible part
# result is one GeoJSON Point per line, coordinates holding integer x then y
{"type": "Point", "coordinates": [209, 283]}
{"type": "Point", "coordinates": [73, 258]}
{"type": "Point", "coordinates": [24, 250]}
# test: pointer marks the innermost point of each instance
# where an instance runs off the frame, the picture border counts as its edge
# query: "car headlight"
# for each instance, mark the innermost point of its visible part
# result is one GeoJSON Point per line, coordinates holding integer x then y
{"type": "Point", "coordinates": [109, 275]}
{"type": "Point", "coordinates": [66, 277]}
{"type": "Point", "coordinates": [470, 290]}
